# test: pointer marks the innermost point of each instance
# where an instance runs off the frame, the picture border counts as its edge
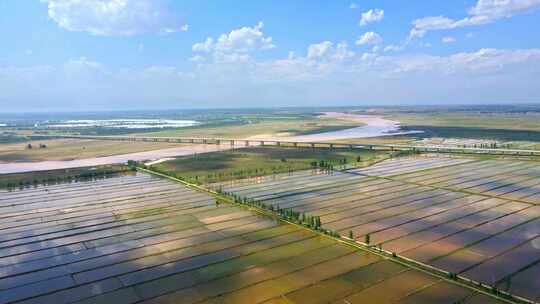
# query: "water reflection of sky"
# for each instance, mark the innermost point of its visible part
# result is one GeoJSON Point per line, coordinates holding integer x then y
{"type": "Point", "coordinates": [374, 127]}
{"type": "Point", "coordinates": [121, 123]}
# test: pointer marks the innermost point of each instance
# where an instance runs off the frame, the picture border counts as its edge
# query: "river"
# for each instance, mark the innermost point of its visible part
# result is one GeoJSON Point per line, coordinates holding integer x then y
{"type": "Point", "coordinates": [372, 126]}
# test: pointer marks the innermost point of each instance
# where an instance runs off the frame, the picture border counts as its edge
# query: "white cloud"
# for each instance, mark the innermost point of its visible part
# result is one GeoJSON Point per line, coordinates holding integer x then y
{"type": "Point", "coordinates": [484, 12]}
{"type": "Point", "coordinates": [115, 17]}
{"type": "Point", "coordinates": [421, 26]}
{"type": "Point", "coordinates": [469, 66]}
{"type": "Point", "coordinates": [483, 61]}
{"type": "Point", "coordinates": [353, 5]}
{"type": "Point", "coordinates": [332, 72]}
{"type": "Point", "coordinates": [448, 40]}
{"type": "Point", "coordinates": [244, 39]}
{"type": "Point", "coordinates": [319, 50]}
{"type": "Point", "coordinates": [327, 51]}
{"type": "Point", "coordinates": [233, 47]}
{"type": "Point", "coordinates": [197, 58]}
{"type": "Point", "coordinates": [207, 46]}
{"type": "Point", "coordinates": [370, 38]}
{"type": "Point", "coordinates": [494, 9]}
{"type": "Point", "coordinates": [220, 57]}
{"type": "Point", "coordinates": [159, 72]}
{"type": "Point", "coordinates": [373, 15]}
{"type": "Point", "coordinates": [83, 63]}
{"type": "Point", "coordinates": [393, 48]}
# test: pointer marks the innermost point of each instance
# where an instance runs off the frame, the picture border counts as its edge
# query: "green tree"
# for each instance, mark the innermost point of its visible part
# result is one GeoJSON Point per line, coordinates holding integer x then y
{"type": "Point", "coordinates": [367, 239]}
{"type": "Point", "coordinates": [318, 223]}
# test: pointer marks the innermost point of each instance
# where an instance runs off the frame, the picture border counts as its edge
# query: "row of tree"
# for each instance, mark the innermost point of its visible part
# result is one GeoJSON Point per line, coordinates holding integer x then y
{"type": "Point", "coordinates": [312, 222]}
{"type": "Point", "coordinates": [325, 166]}
{"type": "Point", "coordinates": [58, 178]}
{"type": "Point", "coordinates": [41, 146]}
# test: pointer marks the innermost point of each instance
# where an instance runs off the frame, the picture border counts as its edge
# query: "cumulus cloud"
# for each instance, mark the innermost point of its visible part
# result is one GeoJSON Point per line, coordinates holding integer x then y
{"type": "Point", "coordinates": [326, 50]}
{"type": "Point", "coordinates": [242, 40]}
{"type": "Point", "coordinates": [370, 38]}
{"type": "Point", "coordinates": [484, 62]}
{"type": "Point", "coordinates": [234, 46]}
{"type": "Point", "coordinates": [483, 12]}
{"type": "Point", "coordinates": [326, 71]}
{"type": "Point", "coordinates": [393, 48]}
{"type": "Point", "coordinates": [115, 17]}
{"type": "Point", "coordinates": [197, 58]}
{"type": "Point", "coordinates": [493, 64]}
{"type": "Point", "coordinates": [373, 15]}
{"type": "Point", "coordinates": [206, 46]}
{"type": "Point", "coordinates": [494, 9]}
{"type": "Point", "coordinates": [319, 50]}
{"type": "Point", "coordinates": [448, 40]}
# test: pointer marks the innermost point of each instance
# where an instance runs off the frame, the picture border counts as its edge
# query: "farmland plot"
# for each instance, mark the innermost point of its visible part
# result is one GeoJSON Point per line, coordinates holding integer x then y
{"type": "Point", "coordinates": [139, 239]}
{"type": "Point", "coordinates": [477, 218]}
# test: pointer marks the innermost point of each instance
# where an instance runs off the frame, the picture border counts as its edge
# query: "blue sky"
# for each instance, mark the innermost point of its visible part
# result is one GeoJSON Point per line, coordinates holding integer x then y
{"type": "Point", "coordinates": [136, 54]}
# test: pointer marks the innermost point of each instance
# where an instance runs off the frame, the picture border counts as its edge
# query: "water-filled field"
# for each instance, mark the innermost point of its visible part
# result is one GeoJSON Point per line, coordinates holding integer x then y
{"type": "Point", "coordinates": [139, 239]}
{"type": "Point", "coordinates": [477, 218]}
{"type": "Point", "coordinates": [120, 123]}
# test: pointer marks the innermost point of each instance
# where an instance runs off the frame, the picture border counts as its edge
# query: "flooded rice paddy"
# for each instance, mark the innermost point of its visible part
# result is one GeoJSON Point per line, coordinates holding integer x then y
{"type": "Point", "coordinates": [119, 123]}
{"type": "Point", "coordinates": [140, 239]}
{"type": "Point", "coordinates": [477, 218]}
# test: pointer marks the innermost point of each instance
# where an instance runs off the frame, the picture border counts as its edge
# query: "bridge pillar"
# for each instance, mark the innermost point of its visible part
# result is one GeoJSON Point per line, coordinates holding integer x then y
{"type": "Point", "coordinates": [262, 142]}
{"type": "Point", "coordinates": [295, 144]}
{"type": "Point", "coordinates": [278, 143]}
{"type": "Point", "coordinates": [246, 143]}
{"type": "Point", "coordinates": [312, 145]}
{"type": "Point", "coordinates": [331, 146]}
{"type": "Point", "coordinates": [218, 142]}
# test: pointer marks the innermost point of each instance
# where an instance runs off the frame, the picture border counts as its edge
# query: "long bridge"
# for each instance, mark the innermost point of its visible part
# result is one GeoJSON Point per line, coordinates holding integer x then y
{"type": "Point", "coordinates": [299, 144]}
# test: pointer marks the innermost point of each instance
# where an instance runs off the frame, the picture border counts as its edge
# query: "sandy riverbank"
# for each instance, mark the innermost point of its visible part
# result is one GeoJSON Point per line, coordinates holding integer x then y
{"type": "Point", "coordinates": [371, 126]}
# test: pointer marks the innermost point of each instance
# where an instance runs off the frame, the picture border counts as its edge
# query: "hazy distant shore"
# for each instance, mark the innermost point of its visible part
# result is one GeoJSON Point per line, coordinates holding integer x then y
{"type": "Point", "coordinates": [370, 126]}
